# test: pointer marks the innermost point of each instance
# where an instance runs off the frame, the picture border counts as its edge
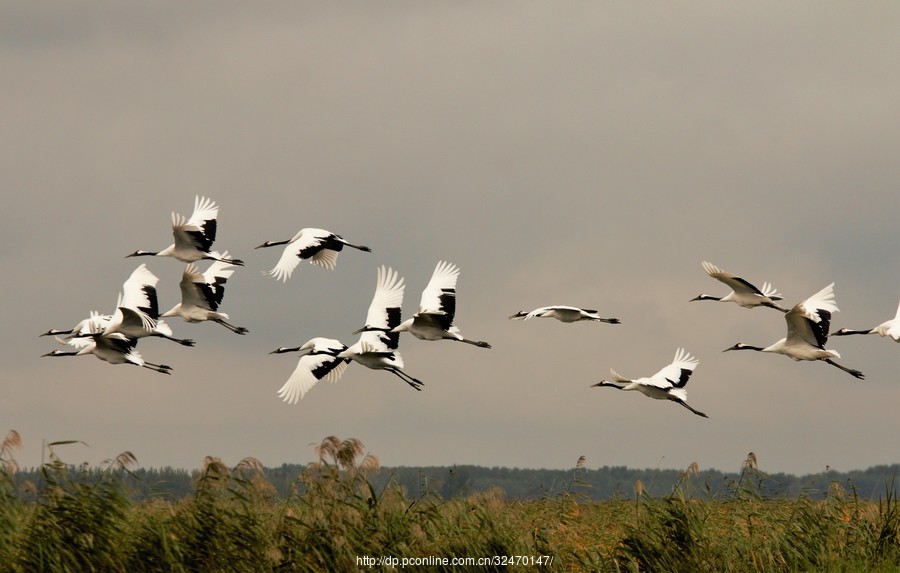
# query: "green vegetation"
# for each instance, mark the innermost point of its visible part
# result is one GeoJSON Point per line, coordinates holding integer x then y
{"type": "Point", "coordinates": [80, 519]}
{"type": "Point", "coordinates": [598, 484]}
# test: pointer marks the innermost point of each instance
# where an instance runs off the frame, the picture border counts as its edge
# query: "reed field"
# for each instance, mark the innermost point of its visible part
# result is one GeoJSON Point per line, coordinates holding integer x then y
{"type": "Point", "coordinates": [334, 518]}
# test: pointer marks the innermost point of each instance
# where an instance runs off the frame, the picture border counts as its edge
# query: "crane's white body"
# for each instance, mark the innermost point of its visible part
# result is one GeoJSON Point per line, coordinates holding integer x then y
{"type": "Point", "coordinates": [437, 309]}
{"type": "Point", "coordinates": [743, 293]}
{"type": "Point", "coordinates": [376, 356]}
{"type": "Point", "coordinates": [563, 313]}
{"type": "Point", "coordinates": [377, 345]}
{"type": "Point", "coordinates": [667, 384]}
{"type": "Point", "coordinates": [115, 348]}
{"type": "Point", "coordinates": [319, 361]}
{"type": "Point", "coordinates": [201, 295]}
{"type": "Point", "coordinates": [888, 329]}
{"type": "Point", "coordinates": [193, 236]}
{"type": "Point", "coordinates": [807, 332]}
{"type": "Point", "coordinates": [318, 246]}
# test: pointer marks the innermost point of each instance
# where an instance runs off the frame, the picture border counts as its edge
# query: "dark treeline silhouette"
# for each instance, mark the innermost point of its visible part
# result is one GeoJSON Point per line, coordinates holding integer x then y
{"type": "Point", "coordinates": [602, 483]}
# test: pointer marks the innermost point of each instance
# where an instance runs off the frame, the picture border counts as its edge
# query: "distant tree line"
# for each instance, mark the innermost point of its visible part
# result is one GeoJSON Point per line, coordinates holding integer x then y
{"type": "Point", "coordinates": [607, 482]}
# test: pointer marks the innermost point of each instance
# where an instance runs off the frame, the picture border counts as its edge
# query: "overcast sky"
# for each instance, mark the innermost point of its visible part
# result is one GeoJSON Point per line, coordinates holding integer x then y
{"type": "Point", "coordinates": [583, 153]}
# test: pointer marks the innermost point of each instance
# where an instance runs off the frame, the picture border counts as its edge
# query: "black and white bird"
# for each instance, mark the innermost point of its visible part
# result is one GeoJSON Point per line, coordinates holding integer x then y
{"type": "Point", "coordinates": [564, 314]}
{"type": "Point", "coordinates": [193, 237]}
{"type": "Point", "coordinates": [377, 345]}
{"type": "Point", "coordinates": [115, 348]}
{"type": "Point", "coordinates": [807, 332]}
{"type": "Point", "coordinates": [437, 308]}
{"type": "Point", "coordinates": [318, 361]}
{"type": "Point", "coordinates": [201, 295]}
{"type": "Point", "coordinates": [137, 309]}
{"type": "Point", "coordinates": [667, 384]}
{"type": "Point", "coordinates": [743, 293]}
{"type": "Point", "coordinates": [890, 328]}
{"type": "Point", "coordinates": [318, 246]}
{"type": "Point", "coordinates": [96, 322]}
{"type": "Point", "coordinates": [136, 314]}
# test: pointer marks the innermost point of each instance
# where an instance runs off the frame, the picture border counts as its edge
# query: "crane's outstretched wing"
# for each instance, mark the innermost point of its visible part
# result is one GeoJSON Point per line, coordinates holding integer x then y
{"type": "Point", "coordinates": [676, 374]}
{"type": "Point", "coordinates": [384, 310]}
{"type": "Point", "coordinates": [810, 320]}
{"type": "Point", "coordinates": [310, 369]}
{"type": "Point", "coordinates": [139, 296]}
{"type": "Point", "coordinates": [200, 230]}
{"type": "Point", "coordinates": [308, 244]}
{"type": "Point", "coordinates": [738, 284]}
{"type": "Point", "coordinates": [439, 297]}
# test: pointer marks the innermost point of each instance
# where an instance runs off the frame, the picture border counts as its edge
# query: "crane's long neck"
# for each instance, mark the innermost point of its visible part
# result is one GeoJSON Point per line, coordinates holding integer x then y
{"type": "Point", "coordinates": [282, 350]}
{"type": "Point", "coordinates": [167, 252]}
{"type": "Point", "coordinates": [847, 331]}
{"type": "Point", "coordinates": [742, 346]}
{"type": "Point", "coordinates": [54, 332]}
{"type": "Point", "coordinates": [63, 353]}
{"type": "Point", "coordinates": [273, 243]}
{"type": "Point", "coordinates": [706, 297]}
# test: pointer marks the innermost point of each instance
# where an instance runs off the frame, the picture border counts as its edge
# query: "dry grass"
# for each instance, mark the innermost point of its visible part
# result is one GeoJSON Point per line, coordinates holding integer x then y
{"type": "Point", "coordinates": [334, 514]}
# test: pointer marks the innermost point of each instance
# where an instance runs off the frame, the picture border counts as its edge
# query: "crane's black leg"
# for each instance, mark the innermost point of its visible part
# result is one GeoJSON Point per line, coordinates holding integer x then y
{"type": "Point", "coordinates": [850, 371]}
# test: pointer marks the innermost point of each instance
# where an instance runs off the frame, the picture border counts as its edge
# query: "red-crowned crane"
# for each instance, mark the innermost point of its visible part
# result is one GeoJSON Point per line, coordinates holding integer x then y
{"type": "Point", "coordinates": [318, 246]}
{"type": "Point", "coordinates": [377, 345]}
{"type": "Point", "coordinates": [807, 332]}
{"type": "Point", "coordinates": [96, 322]}
{"type": "Point", "coordinates": [136, 314]}
{"type": "Point", "coordinates": [201, 295]}
{"type": "Point", "coordinates": [743, 293]}
{"type": "Point", "coordinates": [115, 348]}
{"type": "Point", "coordinates": [318, 361]}
{"type": "Point", "coordinates": [194, 236]}
{"type": "Point", "coordinates": [434, 320]}
{"type": "Point", "coordinates": [890, 328]}
{"type": "Point", "coordinates": [564, 313]}
{"type": "Point", "coordinates": [667, 384]}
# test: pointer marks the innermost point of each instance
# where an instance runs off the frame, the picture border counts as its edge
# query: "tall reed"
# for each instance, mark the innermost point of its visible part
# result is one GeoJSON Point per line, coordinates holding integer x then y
{"type": "Point", "coordinates": [82, 519]}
